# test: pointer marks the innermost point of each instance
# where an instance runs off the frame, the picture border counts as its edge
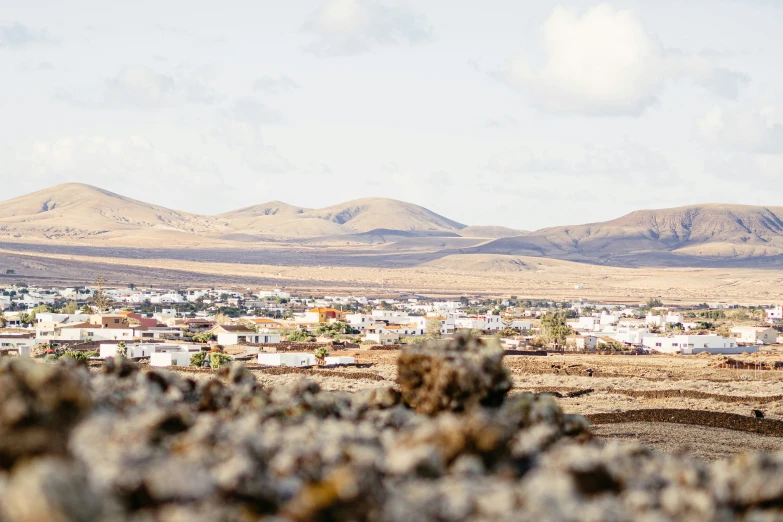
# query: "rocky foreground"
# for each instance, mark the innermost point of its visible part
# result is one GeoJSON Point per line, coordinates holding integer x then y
{"type": "Point", "coordinates": [447, 444]}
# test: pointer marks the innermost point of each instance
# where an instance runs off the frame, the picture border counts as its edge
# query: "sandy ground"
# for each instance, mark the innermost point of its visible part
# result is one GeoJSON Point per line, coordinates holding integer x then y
{"type": "Point", "coordinates": [322, 269]}
{"type": "Point", "coordinates": [695, 441]}
{"type": "Point", "coordinates": [619, 384]}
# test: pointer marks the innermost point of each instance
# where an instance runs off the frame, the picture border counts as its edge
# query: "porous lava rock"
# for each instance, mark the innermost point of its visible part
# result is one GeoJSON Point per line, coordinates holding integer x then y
{"type": "Point", "coordinates": [452, 375]}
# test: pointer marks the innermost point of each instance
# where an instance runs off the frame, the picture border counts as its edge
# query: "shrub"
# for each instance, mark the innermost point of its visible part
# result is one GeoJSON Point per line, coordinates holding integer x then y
{"type": "Point", "coordinates": [122, 349]}
{"type": "Point", "coordinates": [51, 358]}
{"type": "Point", "coordinates": [197, 359]}
{"type": "Point", "coordinates": [92, 353]}
{"type": "Point", "coordinates": [80, 357]}
{"type": "Point", "coordinates": [321, 352]}
{"type": "Point", "coordinates": [218, 360]}
{"type": "Point", "coordinates": [299, 336]}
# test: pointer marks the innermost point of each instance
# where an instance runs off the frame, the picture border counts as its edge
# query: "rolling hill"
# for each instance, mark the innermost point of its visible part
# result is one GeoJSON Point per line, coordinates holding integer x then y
{"type": "Point", "coordinates": [696, 235]}
{"type": "Point", "coordinates": [358, 216]}
{"type": "Point", "coordinates": [75, 210]}
{"type": "Point", "coordinates": [668, 236]}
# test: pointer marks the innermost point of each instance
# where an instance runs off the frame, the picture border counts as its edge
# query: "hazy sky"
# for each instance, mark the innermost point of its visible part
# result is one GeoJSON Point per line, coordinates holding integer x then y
{"type": "Point", "coordinates": [518, 113]}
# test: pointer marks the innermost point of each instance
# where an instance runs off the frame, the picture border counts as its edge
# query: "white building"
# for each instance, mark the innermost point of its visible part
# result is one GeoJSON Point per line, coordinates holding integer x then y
{"type": "Point", "coordinates": [233, 335]}
{"type": "Point", "coordinates": [693, 344]}
{"type": "Point", "coordinates": [20, 341]}
{"type": "Point", "coordinates": [382, 337]}
{"type": "Point", "coordinates": [586, 324]}
{"type": "Point", "coordinates": [339, 360]}
{"type": "Point", "coordinates": [755, 334]}
{"type": "Point", "coordinates": [293, 360]}
{"type": "Point", "coordinates": [775, 315]}
{"type": "Point", "coordinates": [480, 322]}
{"type": "Point", "coordinates": [663, 320]}
{"type": "Point", "coordinates": [170, 359]}
{"type": "Point", "coordinates": [582, 342]}
{"type": "Point", "coordinates": [522, 325]}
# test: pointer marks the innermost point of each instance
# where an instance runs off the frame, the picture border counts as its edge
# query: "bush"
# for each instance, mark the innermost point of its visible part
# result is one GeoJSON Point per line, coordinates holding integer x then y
{"type": "Point", "coordinates": [92, 353]}
{"type": "Point", "coordinates": [321, 352]}
{"type": "Point", "coordinates": [197, 359]}
{"type": "Point", "coordinates": [299, 336]}
{"type": "Point", "coordinates": [218, 360]}
{"type": "Point", "coordinates": [51, 358]}
{"type": "Point", "coordinates": [80, 357]}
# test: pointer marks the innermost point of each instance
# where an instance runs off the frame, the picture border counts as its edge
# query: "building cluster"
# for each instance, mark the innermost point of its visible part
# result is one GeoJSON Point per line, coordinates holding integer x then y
{"type": "Point", "coordinates": [165, 324]}
{"type": "Point", "coordinates": [667, 332]}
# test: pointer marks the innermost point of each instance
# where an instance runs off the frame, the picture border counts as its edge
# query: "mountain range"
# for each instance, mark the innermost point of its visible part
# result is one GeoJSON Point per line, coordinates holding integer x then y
{"type": "Point", "coordinates": [709, 234]}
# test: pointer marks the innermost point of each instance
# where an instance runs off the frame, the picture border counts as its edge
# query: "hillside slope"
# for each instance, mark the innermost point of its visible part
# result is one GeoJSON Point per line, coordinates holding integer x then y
{"type": "Point", "coordinates": [364, 215]}
{"type": "Point", "coordinates": [359, 216]}
{"type": "Point", "coordinates": [75, 210]}
{"type": "Point", "coordinates": [725, 231]}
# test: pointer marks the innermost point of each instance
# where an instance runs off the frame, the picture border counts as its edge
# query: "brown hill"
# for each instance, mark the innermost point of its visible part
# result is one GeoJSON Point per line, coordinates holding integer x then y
{"type": "Point", "coordinates": [365, 215]}
{"type": "Point", "coordinates": [75, 210]}
{"type": "Point", "coordinates": [672, 235]}
{"type": "Point", "coordinates": [359, 216]}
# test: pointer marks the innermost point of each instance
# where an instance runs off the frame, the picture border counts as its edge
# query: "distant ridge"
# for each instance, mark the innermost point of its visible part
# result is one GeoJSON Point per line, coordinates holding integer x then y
{"type": "Point", "coordinates": [710, 230]}
{"type": "Point", "coordinates": [695, 235]}
{"type": "Point", "coordinates": [76, 210]}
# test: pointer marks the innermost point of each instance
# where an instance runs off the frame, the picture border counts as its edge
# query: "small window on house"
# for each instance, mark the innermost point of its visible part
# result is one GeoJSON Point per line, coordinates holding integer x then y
{"type": "Point", "coordinates": [116, 321]}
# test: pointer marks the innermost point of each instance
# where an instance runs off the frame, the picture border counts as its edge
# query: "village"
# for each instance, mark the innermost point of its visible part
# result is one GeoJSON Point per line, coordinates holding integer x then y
{"type": "Point", "coordinates": [276, 328]}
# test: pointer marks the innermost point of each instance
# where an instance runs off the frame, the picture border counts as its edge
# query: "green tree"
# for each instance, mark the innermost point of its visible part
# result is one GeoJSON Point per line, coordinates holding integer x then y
{"type": "Point", "coordinates": [321, 353]}
{"type": "Point", "coordinates": [197, 359]}
{"type": "Point", "coordinates": [654, 303]}
{"type": "Point", "coordinates": [432, 328]}
{"type": "Point", "coordinates": [299, 336]}
{"type": "Point", "coordinates": [3, 320]}
{"type": "Point", "coordinates": [554, 328]}
{"type": "Point", "coordinates": [122, 349]}
{"type": "Point", "coordinates": [218, 360]}
{"type": "Point", "coordinates": [99, 298]}
{"type": "Point", "coordinates": [70, 308]}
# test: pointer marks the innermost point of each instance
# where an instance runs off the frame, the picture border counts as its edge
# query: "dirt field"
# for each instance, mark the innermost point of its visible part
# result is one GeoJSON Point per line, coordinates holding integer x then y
{"type": "Point", "coordinates": [323, 269]}
{"type": "Point", "coordinates": [630, 398]}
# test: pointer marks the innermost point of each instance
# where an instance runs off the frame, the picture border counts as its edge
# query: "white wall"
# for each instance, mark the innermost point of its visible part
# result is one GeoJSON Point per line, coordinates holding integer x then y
{"type": "Point", "coordinates": [294, 360]}
{"type": "Point", "coordinates": [170, 359]}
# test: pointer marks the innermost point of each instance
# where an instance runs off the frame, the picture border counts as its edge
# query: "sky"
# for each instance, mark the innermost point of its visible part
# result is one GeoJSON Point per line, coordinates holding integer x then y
{"type": "Point", "coordinates": [525, 114]}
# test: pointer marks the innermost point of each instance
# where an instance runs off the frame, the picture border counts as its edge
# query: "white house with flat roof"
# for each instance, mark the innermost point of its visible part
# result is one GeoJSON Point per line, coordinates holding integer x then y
{"type": "Point", "coordinates": [755, 334]}
{"type": "Point", "coordinates": [693, 344]}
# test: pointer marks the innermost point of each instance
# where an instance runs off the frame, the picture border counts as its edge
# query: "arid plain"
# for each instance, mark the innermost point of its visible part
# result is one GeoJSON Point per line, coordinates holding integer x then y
{"type": "Point", "coordinates": [709, 253]}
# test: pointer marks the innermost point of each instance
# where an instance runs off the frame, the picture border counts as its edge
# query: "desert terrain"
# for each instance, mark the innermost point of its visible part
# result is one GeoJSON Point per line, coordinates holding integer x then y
{"type": "Point", "coordinates": [69, 234]}
{"type": "Point", "coordinates": [629, 399]}
{"type": "Point", "coordinates": [320, 270]}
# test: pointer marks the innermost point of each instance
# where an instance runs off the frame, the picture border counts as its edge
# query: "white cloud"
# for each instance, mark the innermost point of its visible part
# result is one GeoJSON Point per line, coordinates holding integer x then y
{"type": "Point", "coordinates": [604, 62]}
{"type": "Point", "coordinates": [624, 160]}
{"type": "Point", "coordinates": [139, 86]}
{"type": "Point", "coordinates": [349, 27]}
{"type": "Point", "coordinates": [722, 81]}
{"type": "Point", "coordinates": [250, 111]}
{"type": "Point", "coordinates": [272, 85]}
{"type": "Point", "coordinates": [755, 128]}
{"type": "Point", "coordinates": [142, 87]}
{"type": "Point", "coordinates": [116, 163]}
{"type": "Point", "coordinates": [266, 160]}
{"type": "Point", "coordinates": [239, 127]}
{"type": "Point", "coordinates": [17, 35]}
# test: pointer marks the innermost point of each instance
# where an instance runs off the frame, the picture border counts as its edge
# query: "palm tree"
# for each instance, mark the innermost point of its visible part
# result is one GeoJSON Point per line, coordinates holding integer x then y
{"type": "Point", "coordinates": [321, 353]}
